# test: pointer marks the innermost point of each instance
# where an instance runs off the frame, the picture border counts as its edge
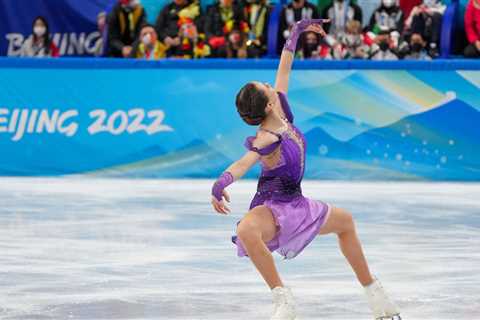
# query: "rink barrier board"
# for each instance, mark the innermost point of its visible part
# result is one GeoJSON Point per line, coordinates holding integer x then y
{"type": "Point", "coordinates": [365, 120]}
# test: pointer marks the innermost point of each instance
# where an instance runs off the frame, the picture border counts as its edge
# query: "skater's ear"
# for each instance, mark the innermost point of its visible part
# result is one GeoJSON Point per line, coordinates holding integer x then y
{"type": "Point", "coordinates": [270, 106]}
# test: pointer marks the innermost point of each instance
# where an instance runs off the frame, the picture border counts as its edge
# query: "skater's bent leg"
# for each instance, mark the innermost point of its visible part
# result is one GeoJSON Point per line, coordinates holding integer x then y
{"type": "Point", "coordinates": [341, 222]}
{"type": "Point", "coordinates": [254, 230]}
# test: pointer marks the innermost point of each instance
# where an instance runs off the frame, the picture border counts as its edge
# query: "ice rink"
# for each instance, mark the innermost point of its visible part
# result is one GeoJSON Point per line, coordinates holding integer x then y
{"type": "Point", "coordinates": [154, 249]}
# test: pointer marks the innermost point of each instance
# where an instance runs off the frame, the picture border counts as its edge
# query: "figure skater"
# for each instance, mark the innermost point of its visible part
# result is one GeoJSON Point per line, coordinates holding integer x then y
{"type": "Point", "coordinates": [280, 218]}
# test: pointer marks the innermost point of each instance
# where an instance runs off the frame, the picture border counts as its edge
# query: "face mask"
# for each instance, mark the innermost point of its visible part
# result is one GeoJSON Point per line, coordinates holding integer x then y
{"type": "Point", "coordinates": [353, 40]}
{"type": "Point", "coordinates": [429, 3]}
{"type": "Point", "coordinates": [388, 3]}
{"type": "Point", "coordinates": [309, 49]}
{"type": "Point", "coordinates": [147, 39]}
{"type": "Point", "coordinates": [417, 47]}
{"type": "Point", "coordinates": [39, 31]}
{"type": "Point", "coordinates": [134, 3]}
{"type": "Point", "coordinates": [383, 45]}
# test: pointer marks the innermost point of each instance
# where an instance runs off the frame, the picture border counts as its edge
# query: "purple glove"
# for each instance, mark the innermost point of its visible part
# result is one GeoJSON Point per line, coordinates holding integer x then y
{"type": "Point", "coordinates": [297, 30]}
{"type": "Point", "coordinates": [222, 182]}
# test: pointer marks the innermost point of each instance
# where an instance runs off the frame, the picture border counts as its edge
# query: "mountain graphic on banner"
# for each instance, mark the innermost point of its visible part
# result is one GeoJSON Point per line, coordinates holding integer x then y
{"type": "Point", "coordinates": [420, 145]}
{"type": "Point", "coordinates": [338, 126]}
{"type": "Point", "coordinates": [441, 140]}
{"type": "Point", "coordinates": [194, 160]}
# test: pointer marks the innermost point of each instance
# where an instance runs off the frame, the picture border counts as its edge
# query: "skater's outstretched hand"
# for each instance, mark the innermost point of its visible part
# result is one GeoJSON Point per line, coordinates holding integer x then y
{"type": "Point", "coordinates": [288, 52]}
{"type": "Point", "coordinates": [317, 28]}
{"type": "Point", "coordinates": [220, 206]}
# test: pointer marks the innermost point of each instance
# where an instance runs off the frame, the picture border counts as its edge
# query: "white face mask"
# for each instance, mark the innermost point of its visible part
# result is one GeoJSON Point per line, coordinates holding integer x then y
{"type": "Point", "coordinates": [353, 40]}
{"type": "Point", "coordinates": [429, 3]}
{"type": "Point", "coordinates": [147, 39]}
{"type": "Point", "coordinates": [39, 31]}
{"type": "Point", "coordinates": [388, 3]}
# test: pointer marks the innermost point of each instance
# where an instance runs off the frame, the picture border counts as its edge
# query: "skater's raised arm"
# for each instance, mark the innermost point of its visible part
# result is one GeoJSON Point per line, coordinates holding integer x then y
{"type": "Point", "coordinates": [288, 53]}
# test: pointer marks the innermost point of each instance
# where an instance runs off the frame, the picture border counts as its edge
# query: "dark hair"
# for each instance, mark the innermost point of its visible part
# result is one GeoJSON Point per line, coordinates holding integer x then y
{"type": "Point", "coordinates": [251, 103]}
{"type": "Point", "coordinates": [147, 25]}
{"type": "Point", "coordinates": [46, 38]}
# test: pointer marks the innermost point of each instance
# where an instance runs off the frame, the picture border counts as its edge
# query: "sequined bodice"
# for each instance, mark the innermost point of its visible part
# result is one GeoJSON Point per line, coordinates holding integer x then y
{"type": "Point", "coordinates": [283, 163]}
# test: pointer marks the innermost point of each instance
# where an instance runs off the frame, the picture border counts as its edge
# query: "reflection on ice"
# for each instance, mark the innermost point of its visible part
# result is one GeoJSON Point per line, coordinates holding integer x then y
{"type": "Point", "coordinates": [153, 249]}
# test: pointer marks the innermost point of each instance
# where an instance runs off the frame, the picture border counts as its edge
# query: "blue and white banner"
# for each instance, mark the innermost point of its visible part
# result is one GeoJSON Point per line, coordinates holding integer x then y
{"type": "Point", "coordinates": [72, 24]}
{"type": "Point", "coordinates": [178, 118]}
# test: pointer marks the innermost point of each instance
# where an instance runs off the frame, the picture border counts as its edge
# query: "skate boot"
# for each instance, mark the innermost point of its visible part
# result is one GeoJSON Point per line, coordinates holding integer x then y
{"type": "Point", "coordinates": [284, 306]}
{"type": "Point", "coordinates": [382, 307]}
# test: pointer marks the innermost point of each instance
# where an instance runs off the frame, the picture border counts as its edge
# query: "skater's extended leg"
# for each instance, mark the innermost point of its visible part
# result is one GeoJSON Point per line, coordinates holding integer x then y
{"type": "Point", "coordinates": [341, 222]}
{"type": "Point", "coordinates": [254, 230]}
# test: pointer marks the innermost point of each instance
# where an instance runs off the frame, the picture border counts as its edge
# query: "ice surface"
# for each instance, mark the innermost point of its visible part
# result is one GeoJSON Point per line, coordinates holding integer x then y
{"type": "Point", "coordinates": [153, 249]}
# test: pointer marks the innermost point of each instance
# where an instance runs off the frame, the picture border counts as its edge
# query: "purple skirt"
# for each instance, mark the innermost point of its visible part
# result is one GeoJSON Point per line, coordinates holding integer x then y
{"type": "Point", "coordinates": [298, 223]}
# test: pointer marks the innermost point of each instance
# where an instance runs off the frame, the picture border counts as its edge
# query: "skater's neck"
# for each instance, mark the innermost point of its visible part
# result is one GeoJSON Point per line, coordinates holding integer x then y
{"type": "Point", "coordinates": [273, 122]}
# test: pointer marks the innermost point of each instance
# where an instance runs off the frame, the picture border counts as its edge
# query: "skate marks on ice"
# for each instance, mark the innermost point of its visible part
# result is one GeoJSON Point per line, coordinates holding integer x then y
{"type": "Point", "coordinates": [153, 249]}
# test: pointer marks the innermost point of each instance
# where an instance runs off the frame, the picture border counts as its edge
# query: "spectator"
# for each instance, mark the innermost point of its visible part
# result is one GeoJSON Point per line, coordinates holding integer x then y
{"type": "Point", "coordinates": [101, 24]}
{"type": "Point", "coordinates": [39, 44]}
{"type": "Point", "coordinates": [472, 28]}
{"type": "Point", "coordinates": [339, 13]}
{"type": "Point", "coordinates": [293, 12]}
{"type": "Point", "coordinates": [353, 44]}
{"type": "Point", "coordinates": [124, 23]}
{"type": "Point", "coordinates": [388, 16]}
{"type": "Point", "coordinates": [192, 42]}
{"type": "Point", "coordinates": [237, 43]}
{"type": "Point", "coordinates": [147, 45]}
{"type": "Point", "coordinates": [417, 49]}
{"type": "Point", "coordinates": [171, 19]}
{"type": "Point", "coordinates": [382, 49]}
{"type": "Point", "coordinates": [219, 22]}
{"type": "Point", "coordinates": [257, 14]}
{"type": "Point", "coordinates": [426, 21]}
{"type": "Point", "coordinates": [310, 46]}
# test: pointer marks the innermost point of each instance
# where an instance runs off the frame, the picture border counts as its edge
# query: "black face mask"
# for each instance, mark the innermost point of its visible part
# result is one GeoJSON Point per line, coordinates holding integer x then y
{"type": "Point", "coordinates": [416, 47]}
{"type": "Point", "coordinates": [383, 45]}
{"type": "Point", "coordinates": [309, 48]}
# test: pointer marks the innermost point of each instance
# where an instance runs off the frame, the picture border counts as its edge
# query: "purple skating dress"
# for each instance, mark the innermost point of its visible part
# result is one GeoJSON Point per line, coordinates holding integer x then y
{"type": "Point", "coordinates": [298, 218]}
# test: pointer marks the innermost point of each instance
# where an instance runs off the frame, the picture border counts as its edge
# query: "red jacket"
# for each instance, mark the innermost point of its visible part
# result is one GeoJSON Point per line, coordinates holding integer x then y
{"type": "Point", "coordinates": [472, 21]}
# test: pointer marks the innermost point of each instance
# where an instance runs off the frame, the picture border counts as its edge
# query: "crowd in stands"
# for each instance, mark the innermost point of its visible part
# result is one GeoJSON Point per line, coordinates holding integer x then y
{"type": "Point", "coordinates": [239, 29]}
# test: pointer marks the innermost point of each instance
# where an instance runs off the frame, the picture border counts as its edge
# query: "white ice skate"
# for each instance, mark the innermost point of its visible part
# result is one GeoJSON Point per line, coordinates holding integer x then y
{"type": "Point", "coordinates": [382, 307]}
{"type": "Point", "coordinates": [284, 308]}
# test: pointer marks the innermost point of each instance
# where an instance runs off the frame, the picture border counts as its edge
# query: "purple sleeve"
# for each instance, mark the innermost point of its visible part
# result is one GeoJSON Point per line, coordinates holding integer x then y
{"type": "Point", "coordinates": [285, 106]}
{"type": "Point", "coordinates": [262, 151]}
{"type": "Point", "coordinates": [222, 182]}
